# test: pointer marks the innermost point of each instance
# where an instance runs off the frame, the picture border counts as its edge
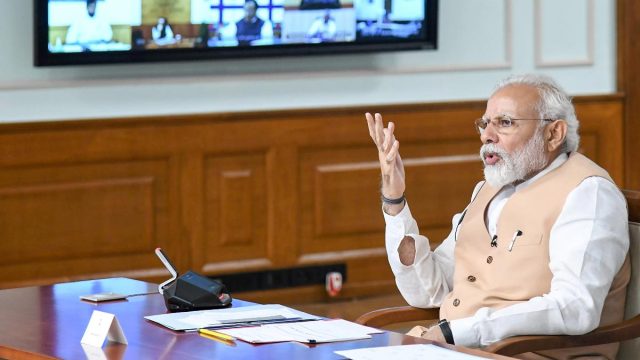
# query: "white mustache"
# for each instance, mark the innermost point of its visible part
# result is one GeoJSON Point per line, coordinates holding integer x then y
{"type": "Point", "coordinates": [492, 149]}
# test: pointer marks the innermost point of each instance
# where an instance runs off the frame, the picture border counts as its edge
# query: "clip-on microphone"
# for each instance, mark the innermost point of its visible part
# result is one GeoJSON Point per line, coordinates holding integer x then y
{"type": "Point", "coordinates": [190, 291]}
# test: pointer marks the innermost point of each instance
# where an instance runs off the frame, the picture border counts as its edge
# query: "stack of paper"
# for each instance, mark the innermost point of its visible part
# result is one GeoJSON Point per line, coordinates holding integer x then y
{"type": "Point", "coordinates": [231, 317]}
{"type": "Point", "coordinates": [307, 332]}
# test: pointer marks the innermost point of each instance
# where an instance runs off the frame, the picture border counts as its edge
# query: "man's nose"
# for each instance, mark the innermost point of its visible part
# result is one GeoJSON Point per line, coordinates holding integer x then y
{"type": "Point", "coordinates": [489, 134]}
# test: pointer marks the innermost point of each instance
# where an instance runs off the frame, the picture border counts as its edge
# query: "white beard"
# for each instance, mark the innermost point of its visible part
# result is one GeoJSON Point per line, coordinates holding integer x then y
{"type": "Point", "coordinates": [516, 166]}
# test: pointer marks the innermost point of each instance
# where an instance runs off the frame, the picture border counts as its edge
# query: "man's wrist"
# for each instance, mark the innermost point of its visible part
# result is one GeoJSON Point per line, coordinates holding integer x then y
{"type": "Point", "coordinates": [393, 201]}
{"type": "Point", "coordinates": [392, 210]}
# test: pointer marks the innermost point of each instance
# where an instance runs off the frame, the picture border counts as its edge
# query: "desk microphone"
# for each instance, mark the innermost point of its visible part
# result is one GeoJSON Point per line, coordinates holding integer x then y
{"type": "Point", "coordinates": [191, 291]}
{"type": "Point", "coordinates": [172, 269]}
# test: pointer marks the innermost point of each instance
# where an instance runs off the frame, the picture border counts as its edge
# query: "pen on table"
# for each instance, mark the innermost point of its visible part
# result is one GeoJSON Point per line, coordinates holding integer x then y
{"type": "Point", "coordinates": [216, 334]}
{"type": "Point", "coordinates": [226, 342]}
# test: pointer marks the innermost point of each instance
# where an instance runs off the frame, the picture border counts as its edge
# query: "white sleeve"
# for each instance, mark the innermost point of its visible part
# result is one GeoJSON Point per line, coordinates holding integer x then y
{"type": "Point", "coordinates": [429, 279]}
{"type": "Point", "coordinates": [313, 29]}
{"type": "Point", "coordinates": [266, 32]}
{"type": "Point", "coordinates": [587, 246]}
{"type": "Point", "coordinates": [106, 32]}
{"type": "Point", "coordinates": [229, 31]}
{"type": "Point", "coordinates": [331, 30]}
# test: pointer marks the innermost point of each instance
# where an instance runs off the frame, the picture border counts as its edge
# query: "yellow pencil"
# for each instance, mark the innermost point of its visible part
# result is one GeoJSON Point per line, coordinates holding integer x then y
{"type": "Point", "coordinates": [216, 334]}
{"type": "Point", "coordinates": [230, 343]}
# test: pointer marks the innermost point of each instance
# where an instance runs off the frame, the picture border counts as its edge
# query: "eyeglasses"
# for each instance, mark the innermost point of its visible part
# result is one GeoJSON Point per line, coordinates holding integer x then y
{"type": "Point", "coordinates": [503, 124]}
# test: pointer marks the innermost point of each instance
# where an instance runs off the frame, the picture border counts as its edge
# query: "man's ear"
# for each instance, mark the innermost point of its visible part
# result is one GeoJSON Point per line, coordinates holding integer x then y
{"type": "Point", "coordinates": [555, 133]}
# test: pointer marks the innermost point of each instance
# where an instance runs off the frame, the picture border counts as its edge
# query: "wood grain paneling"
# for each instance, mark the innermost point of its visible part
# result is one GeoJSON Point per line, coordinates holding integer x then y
{"type": "Point", "coordinates": [228, 193]}
{"type": "Point", "coordinates": [112, 212]}
{"type": "Point", "coordinates": [330, 179]}
{"type": "Point", "coordinates": [628, 76]}
{"type": "Point", "coordinates": [110, 217]}
{"type": "Point", "coordinates": [600, 120]}
{"type": "Point", "coordinates": [235, 208]}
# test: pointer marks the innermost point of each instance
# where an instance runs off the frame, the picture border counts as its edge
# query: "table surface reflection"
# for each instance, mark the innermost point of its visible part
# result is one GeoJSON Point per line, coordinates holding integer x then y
{"type": "Point", "coordinates": [52, 319]}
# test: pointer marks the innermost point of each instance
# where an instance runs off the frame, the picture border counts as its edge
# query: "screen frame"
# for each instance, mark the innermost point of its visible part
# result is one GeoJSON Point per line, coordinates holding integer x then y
{"type": "Point", "coordinates": [42, 56]}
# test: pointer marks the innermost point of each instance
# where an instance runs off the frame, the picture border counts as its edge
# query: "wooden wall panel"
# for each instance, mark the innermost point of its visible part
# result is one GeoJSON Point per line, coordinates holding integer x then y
{"type": "Point", "coordinates": [628, 80]}
{"type": "Point", "coordinates": [235, 209]}
{"type": "Point", "coordinates": [97, 212]}
{"type": "Point", "coordinates": [229, 193]}
{"type": "Point", "coordinates": [600, 120]}
{"type": "Point", "coordinates": [68, 214]}
{"type": "Point", "coordinates": [329, 179]}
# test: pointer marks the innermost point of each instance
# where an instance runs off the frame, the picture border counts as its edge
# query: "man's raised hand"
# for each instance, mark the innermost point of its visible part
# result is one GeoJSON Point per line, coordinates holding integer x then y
{"type": "Point", "coordinates": [393, 183]}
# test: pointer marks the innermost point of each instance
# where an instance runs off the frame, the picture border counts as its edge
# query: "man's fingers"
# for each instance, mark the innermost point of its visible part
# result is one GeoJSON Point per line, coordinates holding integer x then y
{"type": "Point", "coordinates": [379, 126]}
{"type": "Point", "coordinates": [416, 331]}
{"type": "Point", "coordinates": [370, 124]}
{"type": "Point", "coordinates": [389, 138]}
{"type": "Point", "coordinates": [383, 137]}
{"type": "Point", "coordinates": [391, 155]}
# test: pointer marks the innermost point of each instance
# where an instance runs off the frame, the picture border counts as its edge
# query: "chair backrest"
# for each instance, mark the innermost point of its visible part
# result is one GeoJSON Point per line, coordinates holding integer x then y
{"type": "Point", "coordinates": [630, 349]}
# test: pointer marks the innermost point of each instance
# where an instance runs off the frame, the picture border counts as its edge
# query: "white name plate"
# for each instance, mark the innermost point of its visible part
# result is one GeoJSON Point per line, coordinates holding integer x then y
{"type": "Point", "coordinates": [101, 326]}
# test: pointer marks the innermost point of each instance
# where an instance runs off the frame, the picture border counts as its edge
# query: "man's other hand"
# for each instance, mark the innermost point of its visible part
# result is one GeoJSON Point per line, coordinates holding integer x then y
{"type": "Point", "coordinates": [433, 333]}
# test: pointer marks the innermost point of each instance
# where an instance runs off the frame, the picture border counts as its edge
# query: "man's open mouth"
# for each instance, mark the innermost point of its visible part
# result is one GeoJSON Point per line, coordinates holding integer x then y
{"type": "Point", "coordinates": [491, 158]}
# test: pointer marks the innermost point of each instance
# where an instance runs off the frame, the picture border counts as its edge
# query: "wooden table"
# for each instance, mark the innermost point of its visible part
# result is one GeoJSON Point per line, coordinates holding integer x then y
{"type": "Point", "coordinates": [52, 319]}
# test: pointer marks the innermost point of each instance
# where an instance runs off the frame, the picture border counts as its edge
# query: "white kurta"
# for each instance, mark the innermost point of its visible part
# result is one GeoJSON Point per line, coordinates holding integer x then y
{"type": "Point", "coordinates": [89, 30]}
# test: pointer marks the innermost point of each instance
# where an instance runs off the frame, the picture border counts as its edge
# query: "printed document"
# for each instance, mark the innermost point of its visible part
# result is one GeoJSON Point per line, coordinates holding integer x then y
{"type": "Point", "coordinates": [306, 332]}
{"type": "Point", "coordinates": [229, 317]}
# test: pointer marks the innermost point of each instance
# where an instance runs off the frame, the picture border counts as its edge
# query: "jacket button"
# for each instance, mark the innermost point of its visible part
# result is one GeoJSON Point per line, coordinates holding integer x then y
{"type": "Point", "coordinates": [489, 259]}
{"type": "Point", "coordinates": [471, 278]}
{"type": "Point", "coordinates": [456, 302]}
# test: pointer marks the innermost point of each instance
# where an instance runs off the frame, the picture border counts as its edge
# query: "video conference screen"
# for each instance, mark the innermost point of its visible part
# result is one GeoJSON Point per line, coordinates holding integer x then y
{"type": "Point", "coordinates": [102, 31]}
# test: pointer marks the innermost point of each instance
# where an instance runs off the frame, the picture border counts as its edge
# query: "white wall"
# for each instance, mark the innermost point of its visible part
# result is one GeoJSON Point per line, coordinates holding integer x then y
{"type": "Point", "coordinates": [479, 43]}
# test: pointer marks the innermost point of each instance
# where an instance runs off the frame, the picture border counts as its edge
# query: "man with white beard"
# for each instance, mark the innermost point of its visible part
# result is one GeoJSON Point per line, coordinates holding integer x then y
{"type": "Point", "coordinates": [541, 249]}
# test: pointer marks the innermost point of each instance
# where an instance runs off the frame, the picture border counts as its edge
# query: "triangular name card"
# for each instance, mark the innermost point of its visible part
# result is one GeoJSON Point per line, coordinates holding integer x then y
{"type": "Point", "coordinates": [103, 325]}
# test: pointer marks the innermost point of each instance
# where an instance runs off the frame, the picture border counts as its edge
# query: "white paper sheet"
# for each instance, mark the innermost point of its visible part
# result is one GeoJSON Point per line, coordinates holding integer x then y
{"type": "Point", "coordinates": [307, 332]}
{"type": "Point", "coordinates": [406, 352]}
{"type": "Point", "coordinates": [207, 318]}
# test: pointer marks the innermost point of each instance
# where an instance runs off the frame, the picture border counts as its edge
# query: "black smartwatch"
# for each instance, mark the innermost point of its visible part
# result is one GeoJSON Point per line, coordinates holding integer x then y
{"type": "Point", "coordinates": [446, 331]}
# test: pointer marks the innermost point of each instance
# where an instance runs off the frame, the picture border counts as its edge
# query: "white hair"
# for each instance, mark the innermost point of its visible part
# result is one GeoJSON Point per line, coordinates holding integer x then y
{"type": "Point", "coordinates": [554, 104]}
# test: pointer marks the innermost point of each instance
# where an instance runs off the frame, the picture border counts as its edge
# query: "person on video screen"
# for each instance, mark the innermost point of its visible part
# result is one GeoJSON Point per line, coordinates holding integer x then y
{"type": "Point", "coordinates": [89, 29]}
{"type": "Point", "coordinates": [323, 28]}
{"type": "Point", "coordinates": [251, 27]}
{"type": "Point", "coordinates": [162, 32]}
{"type": "Point", "coordinates": [370, 10]}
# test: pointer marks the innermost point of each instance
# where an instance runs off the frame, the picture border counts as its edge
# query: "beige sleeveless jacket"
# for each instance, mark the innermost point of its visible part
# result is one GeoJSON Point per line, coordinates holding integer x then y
{"type": "Point", "coordinates": [495, 277]}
